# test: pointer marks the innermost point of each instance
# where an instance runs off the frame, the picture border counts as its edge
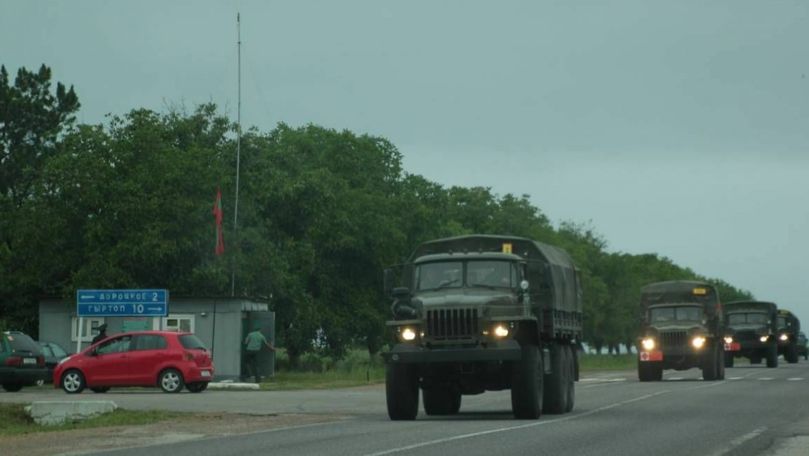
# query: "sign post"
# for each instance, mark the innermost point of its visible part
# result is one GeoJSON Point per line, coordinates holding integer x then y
{"type": "Point", "coordinates": [120, 303]}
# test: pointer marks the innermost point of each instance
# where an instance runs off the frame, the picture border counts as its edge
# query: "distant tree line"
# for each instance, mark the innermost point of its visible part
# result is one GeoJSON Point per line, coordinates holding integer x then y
{"type": "Point", "coordinates": [128, 203]}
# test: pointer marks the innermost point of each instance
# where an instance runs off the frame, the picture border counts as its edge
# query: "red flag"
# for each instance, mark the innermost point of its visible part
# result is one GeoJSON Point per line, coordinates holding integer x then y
{"type": "Point", "coordinates": [217, 215]}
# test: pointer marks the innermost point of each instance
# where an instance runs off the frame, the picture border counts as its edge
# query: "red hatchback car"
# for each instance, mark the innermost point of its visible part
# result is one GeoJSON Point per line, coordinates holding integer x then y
{"type": "Point", "coordinates": [166, 359]}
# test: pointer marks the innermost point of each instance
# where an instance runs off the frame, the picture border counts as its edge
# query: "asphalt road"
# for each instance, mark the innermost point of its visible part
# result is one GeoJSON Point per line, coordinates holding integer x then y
{"type": "Point", "coordinates": [754, 411]}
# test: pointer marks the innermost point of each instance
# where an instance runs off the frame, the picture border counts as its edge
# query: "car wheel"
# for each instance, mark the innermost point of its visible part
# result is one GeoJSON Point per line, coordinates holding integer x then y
{"type": "Point", "coordinates": [171, 381]}
{"type": "Point", "coordinates": [73, 382]}
{"type": "Point", "coordinates": [100, 389]}
{"type": "Point", "coordinates": [12, 387]}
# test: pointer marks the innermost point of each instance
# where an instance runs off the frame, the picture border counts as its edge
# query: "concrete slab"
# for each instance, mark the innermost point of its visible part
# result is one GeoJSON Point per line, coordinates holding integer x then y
{"type": "Point", "coordinates": [57, 412]}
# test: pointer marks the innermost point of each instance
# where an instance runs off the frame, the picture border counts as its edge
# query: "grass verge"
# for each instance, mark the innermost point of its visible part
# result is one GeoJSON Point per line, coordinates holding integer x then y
{"type": "Point", "coordinates": [589, 363]}
{"type": "Point", "coordinates": [286, 380]}
{"type": "Point", "coordinates": [14, 420]}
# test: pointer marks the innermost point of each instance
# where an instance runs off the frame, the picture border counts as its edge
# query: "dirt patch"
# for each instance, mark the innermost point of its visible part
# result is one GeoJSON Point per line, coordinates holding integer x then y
{"type": "Point", "coordinates": [194, 426]}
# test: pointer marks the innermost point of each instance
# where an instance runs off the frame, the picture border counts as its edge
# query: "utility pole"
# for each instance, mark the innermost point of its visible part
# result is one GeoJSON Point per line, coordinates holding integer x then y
{"type": "Point", "coordinates": [238, 145]}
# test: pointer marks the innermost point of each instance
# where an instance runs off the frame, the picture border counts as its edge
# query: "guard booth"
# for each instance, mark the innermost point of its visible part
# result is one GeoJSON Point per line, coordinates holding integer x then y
{"type": "Point", "coordinates": [266, 358]}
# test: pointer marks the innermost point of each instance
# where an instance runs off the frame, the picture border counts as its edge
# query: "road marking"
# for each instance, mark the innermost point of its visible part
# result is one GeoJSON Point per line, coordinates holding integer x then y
{"type": "Point", "coordinates": [765, 379]}
{"type": "Point", "coordinates": [602, 380]}
{"type": "Point", "coordinates": [794, 379]}
{"type": "Point", "coordinates": [737, 442]}
{"type": "Point", "coordinates": [514, 428]}
{"type": "Point", "coordinates": [676, 378]}
{"type": "Point", "coordinates": [735, 378]}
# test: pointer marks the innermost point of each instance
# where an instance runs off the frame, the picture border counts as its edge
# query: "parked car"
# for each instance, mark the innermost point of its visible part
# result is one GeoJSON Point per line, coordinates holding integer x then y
{"type": "Point", "coordinates": [169, 360]}
{"type": "Point", "coordinates": [53, 353]}
{"type": "Point", "coordinates": [21, 361]}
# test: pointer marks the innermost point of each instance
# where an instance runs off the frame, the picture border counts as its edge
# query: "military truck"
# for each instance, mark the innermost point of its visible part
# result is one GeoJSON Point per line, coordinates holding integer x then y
{"type": "Point", "coordinates": [750, 332]}
{"type": "Point", "coordinates": [681, 328]}
{"type": "Point", "coordinates": [483, 313]}
{"type": "Point", "coordinates": [788, 328]}
{"type": "Point", "coordinates": [803, 350]}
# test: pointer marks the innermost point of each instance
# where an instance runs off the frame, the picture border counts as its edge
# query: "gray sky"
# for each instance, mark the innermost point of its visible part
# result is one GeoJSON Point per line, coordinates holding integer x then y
{"type": "Point", "coordinates": [677, 127]}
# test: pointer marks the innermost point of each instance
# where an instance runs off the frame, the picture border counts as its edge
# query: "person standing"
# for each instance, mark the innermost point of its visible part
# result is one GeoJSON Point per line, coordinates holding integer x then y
{"type": "Point", "coordinates": [254, 342]}
{"type": "Point", "coordinates": [102, 334]}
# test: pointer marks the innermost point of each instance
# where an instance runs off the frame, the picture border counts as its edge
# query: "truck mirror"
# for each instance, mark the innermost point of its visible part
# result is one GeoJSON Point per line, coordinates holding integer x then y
{"type": "Point", "coordinates": [401, 292]}
{"type": "Point", "coordinates": [388, 279]}
{"type": "Point", "coordinates": [524, 285]}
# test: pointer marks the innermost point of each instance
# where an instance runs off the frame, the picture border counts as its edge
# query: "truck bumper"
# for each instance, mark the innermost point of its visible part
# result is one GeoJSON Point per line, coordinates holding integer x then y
{"type": "Point", "coordinates": [507, 350]}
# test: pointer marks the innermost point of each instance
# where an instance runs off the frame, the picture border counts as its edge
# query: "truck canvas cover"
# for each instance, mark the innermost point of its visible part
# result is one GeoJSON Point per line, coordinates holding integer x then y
{"type": "Point", "coordinates": [750, 306]}
{"type": "Point", "coordinates": [681, 291]}
{"type": "Point", "coordinates": [559, 269]}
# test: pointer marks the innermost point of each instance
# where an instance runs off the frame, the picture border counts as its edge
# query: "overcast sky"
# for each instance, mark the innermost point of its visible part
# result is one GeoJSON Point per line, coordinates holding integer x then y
{"type": "Point", "coordinates": [676, 127]}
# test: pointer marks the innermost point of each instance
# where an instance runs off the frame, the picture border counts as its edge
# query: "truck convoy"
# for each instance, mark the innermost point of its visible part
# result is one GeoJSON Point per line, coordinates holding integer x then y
{"type": "Point", "coordinates": [751, 332]}
{"type": "Point", "coordinates": [788, 328]}
{"type": "Point", "coordinates": [681, 328]}
{"type": "Point", "coordinates": [483, 313]}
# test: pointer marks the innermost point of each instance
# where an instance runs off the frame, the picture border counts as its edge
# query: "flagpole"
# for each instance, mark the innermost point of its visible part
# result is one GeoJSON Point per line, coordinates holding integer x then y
{"type": "Point", "coordinates": [238, 146]}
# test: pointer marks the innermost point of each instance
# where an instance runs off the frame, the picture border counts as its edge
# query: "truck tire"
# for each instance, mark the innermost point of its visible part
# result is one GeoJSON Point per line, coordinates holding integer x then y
{"type": "Point", "coordinates": [650, 371]}
{"type": "Point", "coordinates": [556, 383]}
{"type": "Point", "coordinates": [570, 353]}
{"type": "Point", "coordinates": [527, 384]}
{"type": "Point", "coordinates": [772, 356]}
{"type": "Point", "coordinates": [710, 364]}
{"type": "Point", "coordinates": [792, 354]}
{"type": "Point", "coordinates": [441, 401]}
{"type": "Point", "coordinates": [402, 391]}
{"type": "Point", "coordinates": [720, 362]}
{"type": "Point", "coordinates": [728, 359]}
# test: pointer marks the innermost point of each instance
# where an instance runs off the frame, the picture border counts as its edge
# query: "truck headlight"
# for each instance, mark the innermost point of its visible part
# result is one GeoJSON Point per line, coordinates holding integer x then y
{"type": "Point", "coordinates": [728, 340]}
{"type": "Point", "coordinates": [407, 334]}
{"type": "Point", "coordinates": [648, 344]}
{"type": "Point", "coordinates": [764, 338]}
{"type": "Point", "coordinates": [500, 330]}
{"type": "Point", "coordinates": [783, 337]}
{"type": "Point", "coordinates": [698, 342]}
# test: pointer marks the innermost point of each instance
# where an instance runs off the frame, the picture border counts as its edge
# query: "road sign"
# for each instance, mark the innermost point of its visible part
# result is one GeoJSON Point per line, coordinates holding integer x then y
{"type": "Point", "coordinates": [122, 303]}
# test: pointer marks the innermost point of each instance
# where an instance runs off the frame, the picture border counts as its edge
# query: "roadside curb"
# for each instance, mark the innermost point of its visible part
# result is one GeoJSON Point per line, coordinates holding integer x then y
{"type": "Point", "coordinates": [233, 386]}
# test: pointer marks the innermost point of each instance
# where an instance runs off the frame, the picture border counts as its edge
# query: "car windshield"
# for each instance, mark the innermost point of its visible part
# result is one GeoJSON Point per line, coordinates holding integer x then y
{"type": "Point", "coordinates": [445, 274]}
{"type": "Point", "coordinates": [191, 342]}
{"type": "Point", "coordinates": [21, 343]}
{"type": "Point", "coordinates": [747, 318]}
{"type": "Point", "coordinates": [684, 313]}
{"type": "Point", "coordinates": [47, 351]}
{"type": "Point", "coordinates": [491, 274]}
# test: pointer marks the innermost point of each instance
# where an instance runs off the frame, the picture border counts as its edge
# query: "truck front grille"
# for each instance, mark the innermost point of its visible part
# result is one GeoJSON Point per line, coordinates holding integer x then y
{"type": "Point", "coordinates": [746, 336]}
{"type": "Point", "coordinates": [673, 339]}
{"type": "Point", "coordinates": [452, 323]}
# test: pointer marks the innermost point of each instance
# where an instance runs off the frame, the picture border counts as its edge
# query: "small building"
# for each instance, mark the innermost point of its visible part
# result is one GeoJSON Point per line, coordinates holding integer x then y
{"type": "Point", "coordinates": [221, 323]}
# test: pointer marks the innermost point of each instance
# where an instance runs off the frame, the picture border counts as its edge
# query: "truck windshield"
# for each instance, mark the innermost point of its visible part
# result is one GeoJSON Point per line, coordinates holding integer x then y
{"type": "Point", "coordinates": [499, 274]}
{"type": "Point", "coordinates": [782, 322]}
{"type": "Point", "coordinates": [665, 314]}
{"type": "Point", "coordinates": [747, 318]}
{"type": "Point", "coordinates": [432, 276]}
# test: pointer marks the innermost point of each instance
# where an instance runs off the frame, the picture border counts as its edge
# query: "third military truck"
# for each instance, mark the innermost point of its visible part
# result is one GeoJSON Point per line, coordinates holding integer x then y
{"type": "Point", "coordinates": [483, 313]}
{"type": "Point", "coordinates": [681, 328]}
{"type": "Point", "coordinates": [751, 332]}
{"type": "Point", "coordinates": [788, 328]}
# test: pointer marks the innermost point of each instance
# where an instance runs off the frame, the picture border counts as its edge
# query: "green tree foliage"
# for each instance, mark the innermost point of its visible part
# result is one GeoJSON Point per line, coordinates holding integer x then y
{"type": "Point", "coordinates": [321, 214]}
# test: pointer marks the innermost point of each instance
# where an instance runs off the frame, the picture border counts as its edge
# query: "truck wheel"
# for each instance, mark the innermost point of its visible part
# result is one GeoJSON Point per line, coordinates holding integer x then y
{"type": "Point", "coordinates": [441, 401]}
{"type": "Point", "coordinates": [710, 365]}
{"type": "Point", "coordinates": [650, 371]}
{"type": "Point", "coordinates": [720, 362]}
{"type": "Point", "coordinates": [555, 394]}
{"type": "Point", "coordinates": [772, 356]}
{"type": "Point", "coordinates": [402, 391]}
{"type": "Point", "coordinates": [792, 354]}
{"type": "Point", "coordinates": [527, 384]}
{"type": "Point", "coordinates": [728, 359]}
{"type": "Point", "coordinates": [571, 366]}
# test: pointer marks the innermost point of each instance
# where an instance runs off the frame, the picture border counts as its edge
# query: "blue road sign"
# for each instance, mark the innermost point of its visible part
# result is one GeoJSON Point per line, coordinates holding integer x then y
{"type": "Point", "coordinates": [122, 303]}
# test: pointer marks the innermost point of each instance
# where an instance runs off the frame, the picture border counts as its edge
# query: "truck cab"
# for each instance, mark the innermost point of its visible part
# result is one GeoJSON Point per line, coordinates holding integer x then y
{"type": "Point", "coordinates": [751, 332]}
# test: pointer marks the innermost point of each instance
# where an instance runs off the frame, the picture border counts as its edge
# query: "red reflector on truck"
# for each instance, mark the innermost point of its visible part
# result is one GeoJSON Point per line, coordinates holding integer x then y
{"type": "Point", "coordinates": [654, 355]}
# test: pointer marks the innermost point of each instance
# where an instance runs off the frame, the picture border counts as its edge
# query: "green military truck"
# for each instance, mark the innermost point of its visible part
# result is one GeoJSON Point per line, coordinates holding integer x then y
{"type": "Point", "coordinates": [681, 328]}
{"type": "Point", "coordinates": [788, 328]}
{"type": "Point", "coordinates": [483, 313]}
{"type": "Point", "coordinates": [750, 332]}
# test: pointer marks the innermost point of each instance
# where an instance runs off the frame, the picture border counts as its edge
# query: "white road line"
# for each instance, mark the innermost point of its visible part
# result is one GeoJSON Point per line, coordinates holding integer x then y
{"type": "Point", "coordinates": [794, 379]}
{"type": "Point", "coordinates": [735, 378]}
{"type": "Point", "coordinates": [514, 428]}
{"type": "Point", "coordinates": [676, 378]}
{"type": "Point", "coordinates": [737, 442]}
{"type": "Point", "coordinates": [765, 379]}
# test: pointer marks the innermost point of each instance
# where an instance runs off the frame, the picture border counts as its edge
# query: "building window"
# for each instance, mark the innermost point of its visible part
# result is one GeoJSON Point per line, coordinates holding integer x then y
{"type": "Point", "coordinates": [89, 328]}
{"type": "Point", "coordinates": [179, 322]}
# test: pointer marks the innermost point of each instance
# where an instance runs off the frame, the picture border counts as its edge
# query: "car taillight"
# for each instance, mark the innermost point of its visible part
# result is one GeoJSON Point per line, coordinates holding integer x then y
{"type": "Point", "coordinates": [188, 356]}
{"type": "Point", "coordinates": [14, 361]}
{"type": "Point", "coordinates": [40, 361]}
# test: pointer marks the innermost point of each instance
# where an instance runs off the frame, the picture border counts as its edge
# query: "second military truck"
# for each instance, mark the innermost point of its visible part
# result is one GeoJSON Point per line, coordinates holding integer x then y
{"type": "Point", "coordinates": [788, 328]}
{"type": "Point", "coordinates": [751, 329]}
{"type": "Point", "coordinates": [681, 328]}
{"type": "Point", "coordinates": [484, 313]}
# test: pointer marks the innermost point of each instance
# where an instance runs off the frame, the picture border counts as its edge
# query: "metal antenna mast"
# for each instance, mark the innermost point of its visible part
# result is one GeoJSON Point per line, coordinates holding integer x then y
{"type": "Point", "coordinates": [238, 143]}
